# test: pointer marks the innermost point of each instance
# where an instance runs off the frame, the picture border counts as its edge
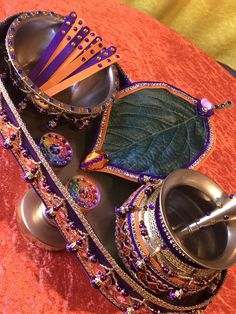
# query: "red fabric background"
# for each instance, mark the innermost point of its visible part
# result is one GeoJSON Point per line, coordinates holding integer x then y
{"type": "Point", "coordinates": [35, 281]}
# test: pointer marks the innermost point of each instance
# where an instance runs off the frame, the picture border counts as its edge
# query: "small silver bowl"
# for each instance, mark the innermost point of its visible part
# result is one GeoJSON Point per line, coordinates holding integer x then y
{"type": "Point", "coordinates": [27, 38]}
{"type": "Point", "coordinates": [148, 238]}
{"type": "Point", "coordinates": [185, 197]}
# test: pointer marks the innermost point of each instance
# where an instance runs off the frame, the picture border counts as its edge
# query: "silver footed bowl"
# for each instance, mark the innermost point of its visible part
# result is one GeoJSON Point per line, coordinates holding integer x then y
{"type": "Point", "coordinates": [27, 37]}
{"type": "Point", "coordinates": [177, 236]}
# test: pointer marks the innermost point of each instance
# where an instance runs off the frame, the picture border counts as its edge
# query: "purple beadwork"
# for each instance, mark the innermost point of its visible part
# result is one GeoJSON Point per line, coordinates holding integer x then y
{"type": "Point", "coordinates": [204, 108]}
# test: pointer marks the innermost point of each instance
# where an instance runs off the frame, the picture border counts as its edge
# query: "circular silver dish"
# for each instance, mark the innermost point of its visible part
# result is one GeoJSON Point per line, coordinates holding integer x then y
{"type": "Point", "coordinates": [187, 196]}
{"type": "Point", "coordinates": [27, 37]}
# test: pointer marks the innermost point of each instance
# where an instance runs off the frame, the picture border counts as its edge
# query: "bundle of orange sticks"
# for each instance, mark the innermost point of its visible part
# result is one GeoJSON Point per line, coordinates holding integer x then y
{"type": "Point", "coordinates": [74, 53]}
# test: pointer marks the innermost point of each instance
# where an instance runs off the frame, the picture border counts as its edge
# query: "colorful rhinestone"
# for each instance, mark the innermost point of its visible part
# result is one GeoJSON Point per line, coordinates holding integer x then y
{"type": "Point", "coordinates": [56, 149]}
{"type": "Point", "coordinates": [84, 192]}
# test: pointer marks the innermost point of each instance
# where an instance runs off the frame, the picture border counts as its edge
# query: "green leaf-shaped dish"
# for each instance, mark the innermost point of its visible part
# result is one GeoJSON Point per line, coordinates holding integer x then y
{"type": "Point", "coordinates": [152, 130]}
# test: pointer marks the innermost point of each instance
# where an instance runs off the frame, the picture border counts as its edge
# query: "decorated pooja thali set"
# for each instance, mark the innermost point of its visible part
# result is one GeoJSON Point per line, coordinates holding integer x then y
{"type": "Point", "coordinates": [111, 164]}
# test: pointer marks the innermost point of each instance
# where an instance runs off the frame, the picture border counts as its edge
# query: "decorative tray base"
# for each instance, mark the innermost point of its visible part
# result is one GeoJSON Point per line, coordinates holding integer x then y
{"type": "Point", "coordinates": [88, 223]}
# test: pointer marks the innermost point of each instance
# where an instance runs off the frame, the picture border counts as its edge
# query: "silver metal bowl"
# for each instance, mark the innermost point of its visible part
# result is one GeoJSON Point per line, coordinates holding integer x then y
{"type": "Point", "coordinates": [185, 197]}
{"type": "Point", "coordinates": [179, 269]}
{"type": "Point", "coordinates": [27, 37]}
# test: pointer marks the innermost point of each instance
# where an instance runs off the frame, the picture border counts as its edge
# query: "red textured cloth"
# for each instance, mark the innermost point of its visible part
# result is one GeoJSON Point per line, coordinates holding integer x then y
{"type": "Point", "coordinates": [35, 281]}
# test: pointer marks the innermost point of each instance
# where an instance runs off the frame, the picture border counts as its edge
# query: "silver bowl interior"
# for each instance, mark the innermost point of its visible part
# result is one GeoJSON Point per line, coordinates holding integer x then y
{"type": "Point", "coordinates": [185, 204]}
{"type": "Point", "coordinates": [186, 196]}
{"type": "Point", "coordinates": [33, 37]}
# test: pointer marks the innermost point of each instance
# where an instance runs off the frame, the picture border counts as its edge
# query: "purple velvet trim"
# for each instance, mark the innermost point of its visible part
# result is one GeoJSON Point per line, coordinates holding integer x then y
{"type": "Point", "coordinates": [52, 47]}
{"type": "Point", "coordinates": [54, 65]}
{"type": "Point", "coordinates": [132, 236]}
{"type": "Point", "coordinates": [123, 78]}
{"type": "Point", "coordinates": [129, 221]}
